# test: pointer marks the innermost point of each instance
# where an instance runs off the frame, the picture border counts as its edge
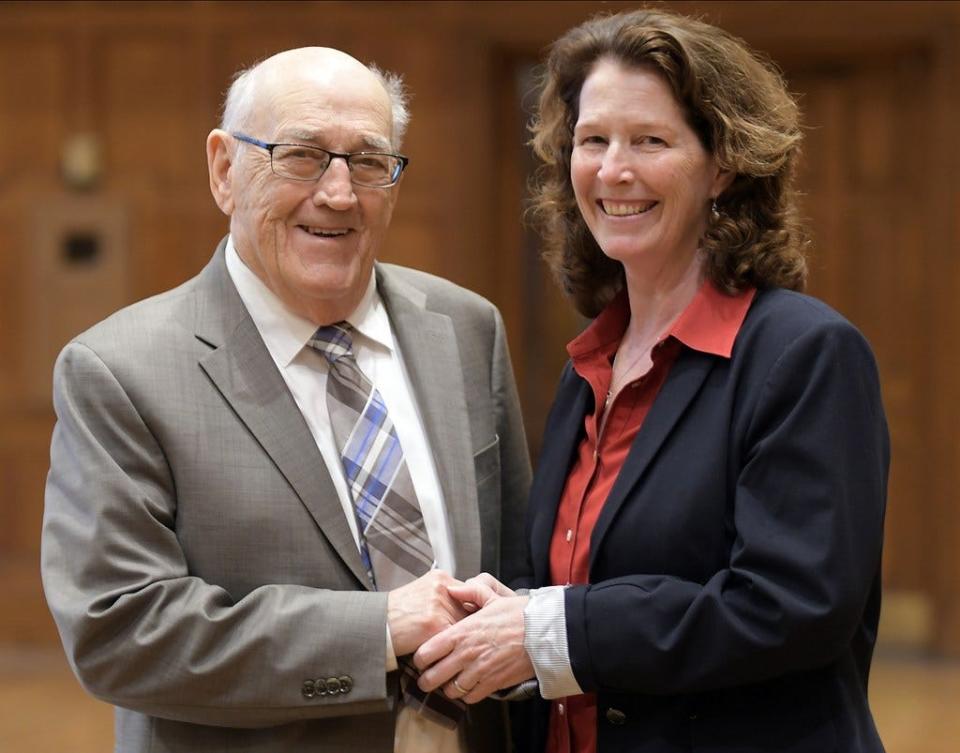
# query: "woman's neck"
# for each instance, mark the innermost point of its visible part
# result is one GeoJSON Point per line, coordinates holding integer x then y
{"type": "Point", "coordinates": [656, 300]}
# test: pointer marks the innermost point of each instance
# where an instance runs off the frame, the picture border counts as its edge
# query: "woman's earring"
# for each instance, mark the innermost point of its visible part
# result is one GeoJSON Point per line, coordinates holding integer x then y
{"type": "Point", "coordinates": [713, 209]}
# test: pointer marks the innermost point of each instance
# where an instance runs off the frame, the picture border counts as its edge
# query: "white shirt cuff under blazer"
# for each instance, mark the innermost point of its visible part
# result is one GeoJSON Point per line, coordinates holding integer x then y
{"type": "Point", "coordinates": [545, 640]}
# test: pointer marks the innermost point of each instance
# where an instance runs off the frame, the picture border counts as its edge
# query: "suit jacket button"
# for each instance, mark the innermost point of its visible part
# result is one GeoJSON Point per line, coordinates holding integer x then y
{"type": "Point", "coordinates": [309, 689]}
{"type": "Point", "coordinates": [333, 685]}
{"type": "Point", "coordinates": [616, 716]}
{"type": "Point", "coordinates": [346, 683]}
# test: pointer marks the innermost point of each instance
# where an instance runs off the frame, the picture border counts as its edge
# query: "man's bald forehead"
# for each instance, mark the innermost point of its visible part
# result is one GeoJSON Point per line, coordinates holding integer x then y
{"type": "Point", "coordinates": [321, 69]}
{"type": "Point", "coordinates": [324, 71]}
{"type": "Point", "coordinates": [321, 59]}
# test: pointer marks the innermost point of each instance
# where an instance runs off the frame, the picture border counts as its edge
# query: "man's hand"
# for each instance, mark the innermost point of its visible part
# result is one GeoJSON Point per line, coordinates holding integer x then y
{"type": "Point", "coordinates": [421, 609]}
{"type": "Point", "coordinates": [478, 591]}
{"type": "Point", "coordinates": [484, 652]}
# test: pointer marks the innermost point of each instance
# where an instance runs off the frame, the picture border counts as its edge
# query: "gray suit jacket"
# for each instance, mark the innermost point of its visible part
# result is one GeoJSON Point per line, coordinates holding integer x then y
{"type": "Point", "coordinates": [195, 556]}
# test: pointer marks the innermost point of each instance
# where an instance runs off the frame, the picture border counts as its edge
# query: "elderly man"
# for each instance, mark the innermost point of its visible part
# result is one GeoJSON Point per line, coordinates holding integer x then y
{"type": "Point", "coordinates": [263, 481]}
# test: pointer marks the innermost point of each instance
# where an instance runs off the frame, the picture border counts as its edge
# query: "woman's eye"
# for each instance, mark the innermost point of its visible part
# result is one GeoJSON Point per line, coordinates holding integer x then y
{"type": "Point", "coordinates": [652, 141]}
{"type": "Point", "coordinates": [596, 140]}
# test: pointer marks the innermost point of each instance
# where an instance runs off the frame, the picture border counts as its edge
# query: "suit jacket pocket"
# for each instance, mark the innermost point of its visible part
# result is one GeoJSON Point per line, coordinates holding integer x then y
{"type": "Point", "coordinates": [486, 461]}
{"type": "Point", "coordinates": [486, 464]}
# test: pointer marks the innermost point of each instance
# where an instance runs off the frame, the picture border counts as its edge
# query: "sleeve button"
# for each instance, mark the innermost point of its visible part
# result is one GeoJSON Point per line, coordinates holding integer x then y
{"type": "Point", "coordinates": [616, 716]}
{"type": "Point", "coordinates": [321, 686]}
{"type": "Point", "coordinates": [346, 684]}
{"type": "Point", "coordinates": [333, 685]}
{"type": "Point", "coordinates": [308, 689]}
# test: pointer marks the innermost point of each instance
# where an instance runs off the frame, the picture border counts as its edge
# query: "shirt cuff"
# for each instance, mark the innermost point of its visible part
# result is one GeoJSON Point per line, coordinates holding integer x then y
{"type": "Point", "coordinates": [545, 640]}
{"type": "Point", "coordinates": [391, 657]}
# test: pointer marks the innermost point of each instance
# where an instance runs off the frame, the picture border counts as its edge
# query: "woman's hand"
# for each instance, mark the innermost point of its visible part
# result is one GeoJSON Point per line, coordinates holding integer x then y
{"type": "Point", "coordinates": [483, 652]}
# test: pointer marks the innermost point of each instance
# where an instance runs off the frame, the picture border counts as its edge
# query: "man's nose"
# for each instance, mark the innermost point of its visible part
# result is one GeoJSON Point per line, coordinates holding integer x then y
{"type": "Point", "coordinates": [334, 188]}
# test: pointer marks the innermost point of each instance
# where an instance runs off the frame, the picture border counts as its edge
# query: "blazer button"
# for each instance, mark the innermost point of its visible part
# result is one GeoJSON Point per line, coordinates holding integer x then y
{"type": "Point", "coordinates": [309, 689]}
{"type": "Point", "coordinates": [346, 683]}
{"type": "Point", "coordinates": [616, 716]}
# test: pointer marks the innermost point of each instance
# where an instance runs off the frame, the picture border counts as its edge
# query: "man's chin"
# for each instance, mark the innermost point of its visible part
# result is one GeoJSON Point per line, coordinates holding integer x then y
{"type": "Point", "coordinates": [329, 299]}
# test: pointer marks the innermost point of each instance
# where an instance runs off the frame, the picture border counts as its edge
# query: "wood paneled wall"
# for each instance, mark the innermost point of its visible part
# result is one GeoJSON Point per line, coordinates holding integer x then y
{"type": "Point", "coordinates": [879, 85]}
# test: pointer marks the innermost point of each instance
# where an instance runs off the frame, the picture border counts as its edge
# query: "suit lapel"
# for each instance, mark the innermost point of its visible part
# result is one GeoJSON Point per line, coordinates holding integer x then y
{"type": "Point", "coordinates": [429, 348]}
{"type": "Point", "coordinates": [682, 385]}
{"type": "Point", "coordinates": [243, 371]}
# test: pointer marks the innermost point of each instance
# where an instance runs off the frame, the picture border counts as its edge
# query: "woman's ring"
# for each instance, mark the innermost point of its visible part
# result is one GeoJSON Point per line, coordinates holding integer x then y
{"type": "Point", "coordinates": [459, 687]}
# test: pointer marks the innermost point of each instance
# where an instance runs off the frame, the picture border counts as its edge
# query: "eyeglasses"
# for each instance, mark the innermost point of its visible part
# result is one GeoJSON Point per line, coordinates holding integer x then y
{"type": "Point", "coordinates": [302, 162]}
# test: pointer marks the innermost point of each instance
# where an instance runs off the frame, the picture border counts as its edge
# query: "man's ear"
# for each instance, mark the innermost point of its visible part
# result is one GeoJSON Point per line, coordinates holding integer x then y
{"type": "Point", "coordinates": [220, 168]}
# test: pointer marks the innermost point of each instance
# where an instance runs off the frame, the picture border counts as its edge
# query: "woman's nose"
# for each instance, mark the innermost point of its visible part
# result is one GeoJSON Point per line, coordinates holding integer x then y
{"type": "Point", "coordinates": [616, 166]}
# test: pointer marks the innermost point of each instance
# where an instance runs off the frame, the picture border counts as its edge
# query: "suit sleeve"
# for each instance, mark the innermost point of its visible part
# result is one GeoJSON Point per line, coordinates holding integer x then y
{"type": "Point", "coordinates": [808, 506]}
{"type": "Point", "coordinates": [138, 629]}
{"type": "Point", "coordinates": [514, 460]}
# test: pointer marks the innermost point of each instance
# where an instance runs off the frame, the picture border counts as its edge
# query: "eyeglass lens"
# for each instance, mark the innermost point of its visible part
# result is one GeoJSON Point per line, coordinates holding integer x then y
{"type": "Point", "coordinates": [307, 163]}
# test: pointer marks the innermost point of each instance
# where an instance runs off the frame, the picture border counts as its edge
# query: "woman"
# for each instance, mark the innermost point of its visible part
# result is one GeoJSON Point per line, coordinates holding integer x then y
{"type": "Point", "coordinates": [706, 521]}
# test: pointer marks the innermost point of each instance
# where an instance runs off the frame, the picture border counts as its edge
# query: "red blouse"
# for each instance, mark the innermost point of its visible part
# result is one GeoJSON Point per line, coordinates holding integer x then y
{"type": "Point", "coordinates": [709, 324]}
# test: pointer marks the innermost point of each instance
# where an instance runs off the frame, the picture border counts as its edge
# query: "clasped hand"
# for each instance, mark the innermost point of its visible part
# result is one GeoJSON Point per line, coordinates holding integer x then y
{"type": "Point", "coordinates": [470, 636]}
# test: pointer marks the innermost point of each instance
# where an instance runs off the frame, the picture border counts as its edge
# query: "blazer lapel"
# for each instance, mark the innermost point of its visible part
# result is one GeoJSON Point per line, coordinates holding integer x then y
{"type": "Point", "coordinates": [429, 348]}
{"type": "Point", "coordinates": [682, 385]}
{"type": "Point", "coordinates": [243, 371]}
{"type": "Point", "coordinates": [564, 430]}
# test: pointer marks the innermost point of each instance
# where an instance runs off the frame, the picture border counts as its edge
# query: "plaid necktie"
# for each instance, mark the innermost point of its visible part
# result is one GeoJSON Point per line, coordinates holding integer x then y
{"type": "Point", "coordinates": [393, 540]}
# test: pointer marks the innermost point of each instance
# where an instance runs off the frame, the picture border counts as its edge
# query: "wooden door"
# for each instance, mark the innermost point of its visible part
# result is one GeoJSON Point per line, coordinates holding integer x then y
{"type": "Point", "coordinates": [865, 177]}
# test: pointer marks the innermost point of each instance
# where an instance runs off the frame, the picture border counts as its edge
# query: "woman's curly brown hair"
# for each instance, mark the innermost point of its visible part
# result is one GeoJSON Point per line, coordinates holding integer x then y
{"type": "Point", "coordinates": [739, 107]}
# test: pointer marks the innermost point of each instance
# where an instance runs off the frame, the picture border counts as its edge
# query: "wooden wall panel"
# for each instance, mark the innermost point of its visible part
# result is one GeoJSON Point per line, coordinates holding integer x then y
{"type": "Point", "coordinates": [151, 102]}
{"type": "Point", "coordinates": [146, 79]}
{"type": "Point", "coordinates": [174, 238]}
{"type": "Point", "coordinates": [33, 95]}
{"type": "Point", "coordinates": [868, 207]}
{"type": "Point", "coordinates": [452, 142]}
{"type": "Point", "coordinates": [24, 458]}
{"type": "Point", "coordinates": [67, 287]}
{"type": "Point", "coordinates": [12, 303]}
{"type": "Point", "coordinates": [32, 113]}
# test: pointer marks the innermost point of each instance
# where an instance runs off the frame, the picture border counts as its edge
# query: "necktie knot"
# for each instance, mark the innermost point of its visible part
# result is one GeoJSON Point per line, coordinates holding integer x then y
{"type": "Point", "coordinates": [334, 340]}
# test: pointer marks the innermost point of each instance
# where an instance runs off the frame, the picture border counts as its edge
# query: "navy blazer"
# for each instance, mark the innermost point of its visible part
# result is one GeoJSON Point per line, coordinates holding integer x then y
{"type": "Point", "coordinates": [735, 568]}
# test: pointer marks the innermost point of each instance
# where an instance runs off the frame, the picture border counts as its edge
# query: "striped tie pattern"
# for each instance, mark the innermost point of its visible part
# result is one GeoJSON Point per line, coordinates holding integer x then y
{"type": "Point", "coordinates": [394, 545]}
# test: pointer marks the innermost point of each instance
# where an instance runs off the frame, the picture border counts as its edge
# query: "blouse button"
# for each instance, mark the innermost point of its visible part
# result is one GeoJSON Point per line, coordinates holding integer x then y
{"type": "Point", "coordinates": [560, 709]}
{"type": "Point", "coordinates": [569, 534]}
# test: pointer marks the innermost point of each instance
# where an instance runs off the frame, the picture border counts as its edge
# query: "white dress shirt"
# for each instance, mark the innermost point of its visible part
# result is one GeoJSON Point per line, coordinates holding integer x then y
{"type": "Point", "coordinates": [378, 355]}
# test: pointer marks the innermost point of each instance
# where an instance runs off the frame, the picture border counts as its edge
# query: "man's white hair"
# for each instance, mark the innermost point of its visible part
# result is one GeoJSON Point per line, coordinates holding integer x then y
{"type": "Point", "coordinates": [239, 103]}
